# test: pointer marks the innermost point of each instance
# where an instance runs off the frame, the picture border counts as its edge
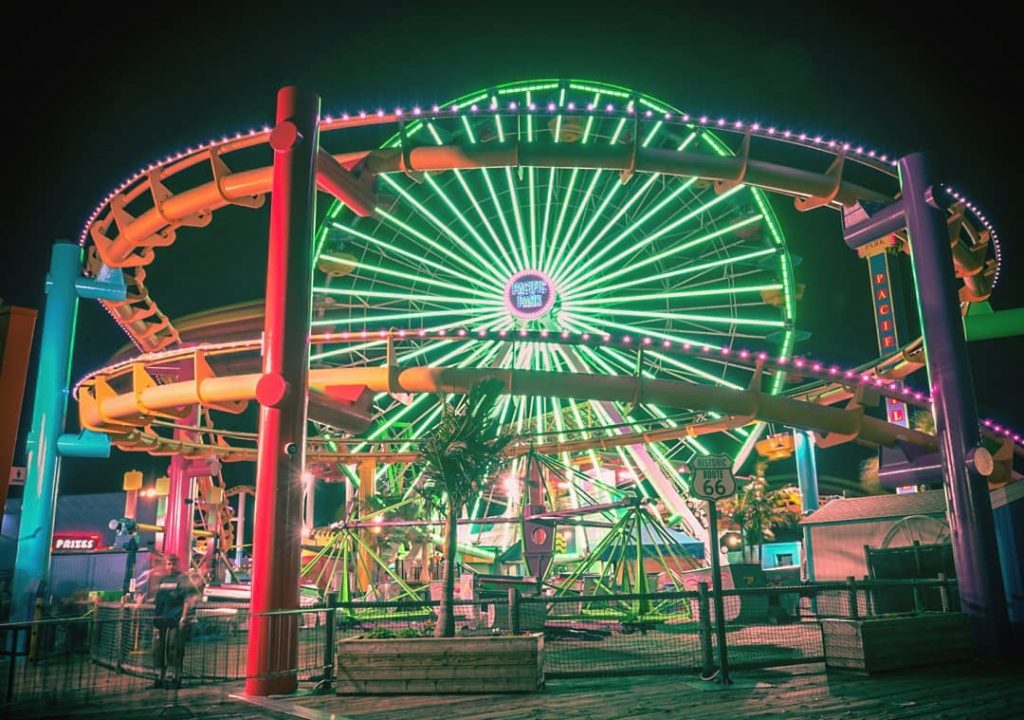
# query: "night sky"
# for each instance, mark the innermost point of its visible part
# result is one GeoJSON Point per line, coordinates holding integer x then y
{"type": "Point", "coordinates": [96, 92]}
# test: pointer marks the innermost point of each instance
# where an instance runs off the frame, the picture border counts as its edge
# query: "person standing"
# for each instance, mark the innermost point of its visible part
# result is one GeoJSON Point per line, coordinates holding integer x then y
{"type": "Point", "coordinates": [175, 595]}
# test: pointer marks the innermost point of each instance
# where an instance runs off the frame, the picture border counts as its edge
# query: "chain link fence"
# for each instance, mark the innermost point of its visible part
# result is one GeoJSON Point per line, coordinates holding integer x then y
{"type": "Point", "coordinates": [111, 650]}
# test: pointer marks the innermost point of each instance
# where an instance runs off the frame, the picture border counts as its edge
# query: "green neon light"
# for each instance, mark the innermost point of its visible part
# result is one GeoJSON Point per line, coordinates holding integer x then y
{"type": "Point", "coordinates": [725, 290]}
{"type": "Point", "coordinates": [618, 131]}
{"type": "Point", "coordinates": [581, 206]}
{"type": "Point", "coordinates": [358, 292]}
{"type": "Point", "coordinates": [406, 276]}
{"type": "Point", "coordinates": [351, 348]}
{"type": "Point", "coordinates": [516, 88]}
{"type": "Point", "coordinates": [482, 264]}
{"type": "Point", "coordinates": [615, 186]}
{"type": "Point", "coordinates": [392, 248]}
{"type": "Point", "coordinates": [654, 353]}
{"type": "Point", "coordinates": [693, 317]}
{"type": "Point", "coordinates": [469, 130]}
{"type": "Point", "coordinates": [398, 316]}
{"type": "Point", "coordinates": [514, 194]}
{"type": "Point", "coordinates": [632, 227]}
{"type": "Point", "coordinates": [664, 230]}
{"type": "Point", "coordinates": [501, 216]}
{"type": "Point", "coordinates": [466, 224]}
{"type": "Point", "coordinates": [529, 119]}
{"type": "Point", "coordinates": [533, 216]}
{"type": "Point", "coordinates": [547, 213]}
{"type": "Point", "coordinates": [688, 270]}
{"type": "Point", "coordinates": [566, 201]}
{"type": "Point", "coordinates": [688, 245]}
{"type": "Point", "coordinates": [618, 215]}
{"type": "Point", "coordinates": [441, 249]}
{"type": "Point", "coordinates": [591, 88]}
{"type": "Point", "coordinates": [651, 134]}
{"type": "Point", "coordinates": [483, 218]}
{"type": "Point", "coordinates": [654, 408]}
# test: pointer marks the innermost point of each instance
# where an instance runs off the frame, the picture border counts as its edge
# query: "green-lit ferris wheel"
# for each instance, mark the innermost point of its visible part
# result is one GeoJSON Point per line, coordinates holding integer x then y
{"type": "Point", "coordinates": [586, 251]}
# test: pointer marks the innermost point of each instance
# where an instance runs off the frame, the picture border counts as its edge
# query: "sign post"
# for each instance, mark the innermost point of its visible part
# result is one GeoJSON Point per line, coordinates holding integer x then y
{"type": "Point", "coordinates": [713, 481]}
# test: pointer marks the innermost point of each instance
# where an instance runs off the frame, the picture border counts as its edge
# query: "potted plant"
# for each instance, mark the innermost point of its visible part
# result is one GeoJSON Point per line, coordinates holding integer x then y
{"type": "Point", "coordinates": [461, 453]}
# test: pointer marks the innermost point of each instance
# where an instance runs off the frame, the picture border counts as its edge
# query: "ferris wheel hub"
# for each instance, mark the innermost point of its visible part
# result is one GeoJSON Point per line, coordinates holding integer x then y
{"type": "Point", "coordinates": [530, 294]}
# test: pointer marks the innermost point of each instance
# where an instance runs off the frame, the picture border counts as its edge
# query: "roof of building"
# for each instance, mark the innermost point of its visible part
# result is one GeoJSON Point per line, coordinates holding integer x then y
{"type": "Point", "coordinates": [928, 502]}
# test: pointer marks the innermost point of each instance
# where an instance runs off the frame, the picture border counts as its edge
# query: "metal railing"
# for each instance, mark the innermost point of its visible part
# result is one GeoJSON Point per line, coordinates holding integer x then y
{"type": "Point", "coordinates": [111, 651]}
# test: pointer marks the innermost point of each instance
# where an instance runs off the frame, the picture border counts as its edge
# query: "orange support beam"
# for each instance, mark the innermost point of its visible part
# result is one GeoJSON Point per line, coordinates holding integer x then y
{"type": "Point", "coordinates": [17, 325]}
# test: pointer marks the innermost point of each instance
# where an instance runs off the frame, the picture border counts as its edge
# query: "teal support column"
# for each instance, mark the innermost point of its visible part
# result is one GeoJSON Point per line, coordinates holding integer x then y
{"type": "Point", "coordinates": [32, 565]}
{"type": "Point", "coordinates": [807, 477]}
{"type": "Point", "coordinates": [64, 285]}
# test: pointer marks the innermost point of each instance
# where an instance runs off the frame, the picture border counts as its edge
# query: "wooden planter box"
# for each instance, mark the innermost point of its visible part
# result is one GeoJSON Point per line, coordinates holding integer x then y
{"type": "Point", "coordinates": [890, 643]}
{"type": "Point", "coordinates": [441, 665]}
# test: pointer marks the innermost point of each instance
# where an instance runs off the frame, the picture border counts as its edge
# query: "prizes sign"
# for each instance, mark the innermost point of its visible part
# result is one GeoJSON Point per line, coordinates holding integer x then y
{"type": "Point", "coordinates": [712, 477]}
{"type": "Point", "coordinates": [77, 542]}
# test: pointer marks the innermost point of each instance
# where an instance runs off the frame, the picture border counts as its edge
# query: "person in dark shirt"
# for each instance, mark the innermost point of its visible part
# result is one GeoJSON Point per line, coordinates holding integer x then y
{"type": "Point", "coordinates": [175, 595]}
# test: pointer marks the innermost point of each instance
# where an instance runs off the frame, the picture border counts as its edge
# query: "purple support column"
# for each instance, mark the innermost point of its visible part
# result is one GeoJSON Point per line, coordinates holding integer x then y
{"type": "Point", "coordinates": [956, 416]}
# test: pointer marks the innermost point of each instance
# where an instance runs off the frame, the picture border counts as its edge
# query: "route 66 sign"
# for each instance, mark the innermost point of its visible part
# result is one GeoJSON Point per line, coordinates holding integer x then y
{"type": "Point", "coordinates": [712, 477]}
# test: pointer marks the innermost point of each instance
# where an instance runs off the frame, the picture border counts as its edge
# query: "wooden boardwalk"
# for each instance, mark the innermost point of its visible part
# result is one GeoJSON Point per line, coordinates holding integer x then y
{"type": "Point", "coordinates": [950, 692]}
{"type": "Point", "coordinates": [970, 690]}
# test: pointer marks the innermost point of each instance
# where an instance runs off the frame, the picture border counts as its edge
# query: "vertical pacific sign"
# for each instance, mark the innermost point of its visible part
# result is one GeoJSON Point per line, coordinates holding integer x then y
{"type": "Point", "coordinates": [885, 317]}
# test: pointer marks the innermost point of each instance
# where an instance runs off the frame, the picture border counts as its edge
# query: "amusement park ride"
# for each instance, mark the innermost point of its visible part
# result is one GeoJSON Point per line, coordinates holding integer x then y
{"type": "Point", "coordinates": [613, 260]}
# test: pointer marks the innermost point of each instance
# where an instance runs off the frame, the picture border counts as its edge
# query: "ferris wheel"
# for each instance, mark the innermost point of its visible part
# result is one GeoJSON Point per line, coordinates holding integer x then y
{"type": "Point", "coordinates": [581, 251]}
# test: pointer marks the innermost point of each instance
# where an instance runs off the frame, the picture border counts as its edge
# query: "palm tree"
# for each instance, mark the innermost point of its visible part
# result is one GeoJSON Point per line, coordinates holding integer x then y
{"type": "Point", "coordinates": [462, 452]}
{"type": "Point", "coordinates": [756, 509]}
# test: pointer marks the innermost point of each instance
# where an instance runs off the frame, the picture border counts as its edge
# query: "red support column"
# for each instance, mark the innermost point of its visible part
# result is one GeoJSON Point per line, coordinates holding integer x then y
{"type": "Point", "coordinates": [178, 517]}
{"type": "Point", "coordinates": [282, 394]}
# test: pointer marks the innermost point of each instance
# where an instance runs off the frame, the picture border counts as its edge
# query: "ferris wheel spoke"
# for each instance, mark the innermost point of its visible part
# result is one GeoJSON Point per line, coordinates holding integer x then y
{"type": "Point", "coordinates": [531, 182]}
{"type": "Point", "coordinates": [625, 362]}
{"type": "Point", "coordinates": [687, 270]}
{"type": "Point", "coordinates": [480, 267]}
{"type": "Point", "coordinates": [615, 186]}
{"type": "Point", "coordinates": [560, 258]}
{"type": "Point", "coordinates": [557, 257]}
{"type": "Point", "coordinates": [513, 192]}
{"type": "Point", "coordinates": [697, 318]}
{"type": "Point", "coordinates": [384, 249]}
{"type": "Point", "coordinates": [688, 244]}
{"type": "Point", "coordinates": [564, 207]}
{"type": "Point", "coordinates": [358, 347]}
{"type": "Point", "coordinates": [636, 197]}
{"type": "Point", "coordinates": [374, 319]}
{"type": "Point", "coordinates": [547, 215]}
{"type": "Point", "coordinates": [682, 294]}
{"type": "Point", "coordinates": [511, 243]}
{"type": "Point", "coordinates": [460, 216]}
{"type": "Point", "coordinates": [695, 371]}
{"type": "Point", "coordinates": [579, 279]}
{"type": "Point", "coordinates": [509, 262]}
{"type": "Point", "coordinates": [586, 324]}
{"type": "Point", "coordinates": [419, 399]}
{"type": "Point", "coordinates": [409, 277]}
{"type": "Point", "coordinates": [357, 292]}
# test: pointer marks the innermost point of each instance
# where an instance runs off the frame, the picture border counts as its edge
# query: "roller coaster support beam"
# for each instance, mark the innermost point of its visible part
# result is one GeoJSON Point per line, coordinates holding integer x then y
{"type": "Point", "coordinates": [282, 392]}
{"type": "Point", "coordinates": [807, 478]}
{"type": "Point", "coordinates": [956, 416]}
{"type": "Point", "coordinates": [64, 285]}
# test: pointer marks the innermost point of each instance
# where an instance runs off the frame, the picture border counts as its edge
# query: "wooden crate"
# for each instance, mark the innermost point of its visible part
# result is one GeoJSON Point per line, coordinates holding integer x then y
{"type": "Point", "coordinates": [890, 643]}
{"type": "Point", "coordinates": [441, 665]}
